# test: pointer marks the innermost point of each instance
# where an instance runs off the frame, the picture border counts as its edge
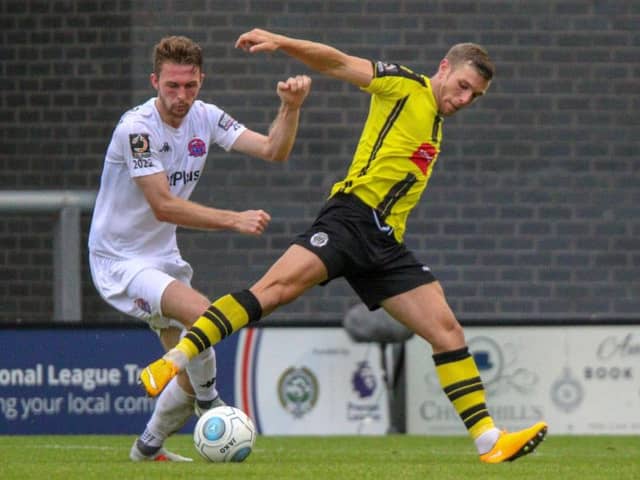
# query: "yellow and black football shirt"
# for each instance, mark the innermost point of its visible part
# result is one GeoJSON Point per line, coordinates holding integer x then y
{"type": "Point", "coordinates": [398, 147]}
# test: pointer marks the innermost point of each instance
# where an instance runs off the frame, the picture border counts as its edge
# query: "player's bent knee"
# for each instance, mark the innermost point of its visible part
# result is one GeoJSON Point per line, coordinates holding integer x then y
{"type": "Point", "coordinates": [274, 296]}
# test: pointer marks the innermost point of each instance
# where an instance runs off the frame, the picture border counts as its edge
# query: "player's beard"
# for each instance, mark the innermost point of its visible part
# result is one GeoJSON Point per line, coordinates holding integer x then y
{"type": "Point", "coordinates": [179, 110]}
{"type": "Point", "coordinates": [172, 112]}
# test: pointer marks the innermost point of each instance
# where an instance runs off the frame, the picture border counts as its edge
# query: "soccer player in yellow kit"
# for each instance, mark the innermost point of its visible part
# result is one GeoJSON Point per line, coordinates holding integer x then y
{"type": "Point", "coordinates": [358, 234]}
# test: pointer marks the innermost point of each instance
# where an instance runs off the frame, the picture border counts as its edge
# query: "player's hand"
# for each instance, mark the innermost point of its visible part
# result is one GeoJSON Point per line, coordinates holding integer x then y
{"type": "Point", "coordinates": [258, 40]}
{"type": "Point", "coordinates": [294, 90]}
{"type": "Point", "coordinates": [252, 222]}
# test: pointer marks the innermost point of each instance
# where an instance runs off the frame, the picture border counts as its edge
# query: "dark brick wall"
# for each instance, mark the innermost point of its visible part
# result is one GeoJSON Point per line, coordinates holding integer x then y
{"type": "Point", "coordinates": [66, 77]}
{"type": "Point", "coordinates": [532, 212]}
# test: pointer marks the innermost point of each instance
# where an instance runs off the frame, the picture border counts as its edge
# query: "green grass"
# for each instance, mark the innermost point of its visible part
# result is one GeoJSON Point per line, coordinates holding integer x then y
{"type": "Point", "coordinates": [396, 457]}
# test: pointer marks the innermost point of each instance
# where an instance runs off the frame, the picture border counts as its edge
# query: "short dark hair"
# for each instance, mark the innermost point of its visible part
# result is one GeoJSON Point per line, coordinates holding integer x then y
{"type": "Point", "coordinates": [176, 49]}
{"type": "Point", "coordinates": [474, 55]}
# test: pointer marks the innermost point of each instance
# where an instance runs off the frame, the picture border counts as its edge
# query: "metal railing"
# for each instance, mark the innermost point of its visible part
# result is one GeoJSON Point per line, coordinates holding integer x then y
{"type": "Point", "coordinates": [67, 278]}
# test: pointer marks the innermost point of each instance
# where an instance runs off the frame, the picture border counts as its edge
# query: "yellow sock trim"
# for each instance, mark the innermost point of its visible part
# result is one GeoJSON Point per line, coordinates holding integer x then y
{"type": "Point", "coordinates": [188, 348]}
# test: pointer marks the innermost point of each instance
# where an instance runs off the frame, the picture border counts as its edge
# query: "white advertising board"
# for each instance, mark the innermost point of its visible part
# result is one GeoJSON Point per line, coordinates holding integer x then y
{"type": "Point", "coordinates": [582, 380]}
{"type": "Point", "coordinates": [310, 381]}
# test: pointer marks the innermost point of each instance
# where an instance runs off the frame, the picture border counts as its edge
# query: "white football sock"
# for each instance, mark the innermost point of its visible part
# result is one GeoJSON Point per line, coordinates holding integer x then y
{"type": "Point", "coordinates": [486, 441]}
{"type": "Point", "coordinates": [172, 410]}
{"type": "Point", "coordinates": [178, 358]}
{"type": "Point", "coordinates": [202, 373]}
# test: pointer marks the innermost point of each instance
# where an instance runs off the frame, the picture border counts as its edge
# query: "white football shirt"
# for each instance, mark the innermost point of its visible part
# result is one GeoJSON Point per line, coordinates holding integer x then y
{"type": "Point", "coordinates": [123, 224]}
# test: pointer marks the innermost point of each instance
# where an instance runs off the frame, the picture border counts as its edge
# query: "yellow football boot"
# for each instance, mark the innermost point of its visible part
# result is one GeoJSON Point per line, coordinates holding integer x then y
{"type": "Point", "coordinates": [157, 375]}
{"type": "Point", "coordinates": [514, 445]}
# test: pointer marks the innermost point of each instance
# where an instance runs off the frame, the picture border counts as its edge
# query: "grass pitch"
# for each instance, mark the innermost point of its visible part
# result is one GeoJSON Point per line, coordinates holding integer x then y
{"type": "Point", "coordinates": [395, 457]}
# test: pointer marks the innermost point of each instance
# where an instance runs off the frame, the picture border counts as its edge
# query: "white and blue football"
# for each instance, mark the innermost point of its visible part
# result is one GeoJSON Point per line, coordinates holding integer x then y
{"type": "Point", "coordinates": [224, 434]}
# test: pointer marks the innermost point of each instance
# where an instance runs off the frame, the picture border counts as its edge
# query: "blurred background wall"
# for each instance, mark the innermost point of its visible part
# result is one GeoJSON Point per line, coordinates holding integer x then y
{"type": "Point", "coordinates": [533, 210]}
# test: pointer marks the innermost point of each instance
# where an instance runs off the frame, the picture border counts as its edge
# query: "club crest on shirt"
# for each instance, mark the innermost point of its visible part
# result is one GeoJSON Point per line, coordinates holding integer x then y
{"type": "Point", "coordinates": [319, 239]}
{"type": "Point", "coordinates": [140, 146]}
{"type": "Point", "coordinates": [197, 147]}
{"type": "Point", "coordinates": [423, 156]}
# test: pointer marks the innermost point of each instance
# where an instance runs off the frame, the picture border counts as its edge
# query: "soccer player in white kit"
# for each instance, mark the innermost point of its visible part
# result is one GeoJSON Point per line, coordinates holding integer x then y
{"type": "Point", "coordinates": [153, 163]}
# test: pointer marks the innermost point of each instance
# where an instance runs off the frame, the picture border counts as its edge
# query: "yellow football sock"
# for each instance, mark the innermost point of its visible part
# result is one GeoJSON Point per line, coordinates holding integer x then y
{"type": "Point", "coordinates": [224, 316]}
{"type": "Point", "coordinates": [460, 380]}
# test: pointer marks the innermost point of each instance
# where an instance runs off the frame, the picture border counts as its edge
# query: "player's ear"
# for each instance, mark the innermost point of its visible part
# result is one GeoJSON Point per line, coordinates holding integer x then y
{"type": "Point", "coordinates": [444, 66]}
{"type": "Point", "coordinates": [153, 78]}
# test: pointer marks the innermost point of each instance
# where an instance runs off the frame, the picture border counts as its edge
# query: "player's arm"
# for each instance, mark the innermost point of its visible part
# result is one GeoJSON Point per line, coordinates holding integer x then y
{"type": "Point", "coordinates": [317, 56]}
{"type": "Point", "coordinates": [277, 145]}
{"type": "Point", "coordinates": [172, 209]}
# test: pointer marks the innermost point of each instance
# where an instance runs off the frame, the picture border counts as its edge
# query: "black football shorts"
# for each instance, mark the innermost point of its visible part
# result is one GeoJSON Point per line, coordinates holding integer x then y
{"type": "Point", "coordinates": [354, 243]}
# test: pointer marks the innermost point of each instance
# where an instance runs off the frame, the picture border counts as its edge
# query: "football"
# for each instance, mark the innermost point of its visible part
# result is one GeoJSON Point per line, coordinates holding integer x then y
{"type": "Point", "coordinates": [224, 434]}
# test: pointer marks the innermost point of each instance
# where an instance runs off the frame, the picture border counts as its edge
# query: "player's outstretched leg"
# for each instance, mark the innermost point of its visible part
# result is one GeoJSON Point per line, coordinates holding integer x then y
{"type": "Point", "coordinates": [511, 446]}
{"type": "Point", "coordinates": [225, 316]}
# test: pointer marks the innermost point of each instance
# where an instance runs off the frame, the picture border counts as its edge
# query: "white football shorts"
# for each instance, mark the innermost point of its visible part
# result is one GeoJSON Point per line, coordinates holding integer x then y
{"type": "Point", "coordinates": [135, 287]}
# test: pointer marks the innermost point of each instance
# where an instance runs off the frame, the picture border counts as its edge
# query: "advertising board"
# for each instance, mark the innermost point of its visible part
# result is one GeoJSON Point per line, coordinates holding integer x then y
{"type": "Point", "coordinates": [579, 379]}
{"type": "Point", "coordinates": [289, 380]}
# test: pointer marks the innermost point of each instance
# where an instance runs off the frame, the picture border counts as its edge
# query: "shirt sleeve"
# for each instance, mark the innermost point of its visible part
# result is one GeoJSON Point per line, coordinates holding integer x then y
{"type": "Point", "coordinates": [225, 129]}
{"type": "Point", "coordinates": [138, 146]}
{"type": "Point", "coordinates": [393, 80]}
